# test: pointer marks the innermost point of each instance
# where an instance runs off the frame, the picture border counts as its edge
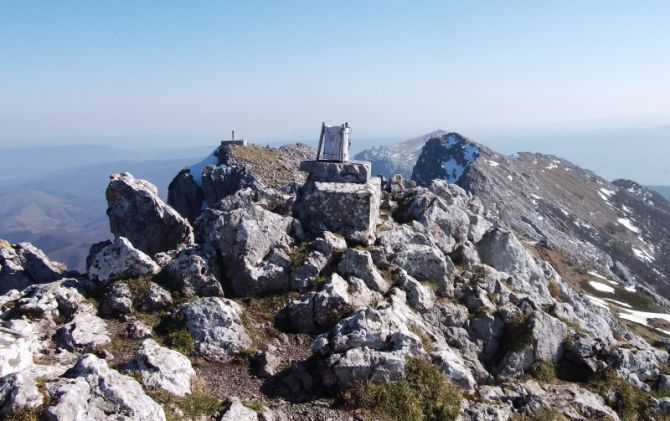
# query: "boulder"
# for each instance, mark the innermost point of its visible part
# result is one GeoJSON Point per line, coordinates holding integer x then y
{"type": "Point", "coordinates": [194, 273]}
{"type": "Point", "coordinates": [155, 298]}
{"type": "Point", "coordinates": [18, 391]}
{"type": "Point", "coordinates": [93, 391]}
{"type": "Point", "coordinates": [255, 244]}
{"type": "Point", "coordinates": [84, 332]}
{"type": "Point", "coordinates": [117, 300]}
{"type": "Point", "coordinates": [138, 330]}
{"type": "Point", "coordinates": [18, 341]}
{"type": "Point", "coordinates": [236, 411]}
{"type": "Point", "coordinates": [426, 263]}
{"type": "Point", "coordinates": [348, 209]}
{"type": "Point", "coordinates": [359, 263]}
{"type": "Point", "coordinates": [163, 368]}
{"type": "Point", "coordinates": [316, 311]}
{"type": "Point", "coordinates": [23, 264]}
{"type": "Point", "coordinates": [137, 213]}
{"type": "Point", "coordinates": [216, 327]}
{"type": "Point", "coordinates": [119, 261]}
{"type": "Point", "coordinates": [323, 250]}
{"type": "Point", "coordinates": [419, 296]}
{"type": "Point", "coordinates": [60, 298]}
{"type": "Point", "coordinates": [267, 364]}
{"type": "Point", "coordinates": [454, 367]}
{"type": "Point", "coordinates": [549, 335]}
{"type": "Point", "coordinates": [371, 344]}
{"type": "Point", "coordinates": [501, 250]}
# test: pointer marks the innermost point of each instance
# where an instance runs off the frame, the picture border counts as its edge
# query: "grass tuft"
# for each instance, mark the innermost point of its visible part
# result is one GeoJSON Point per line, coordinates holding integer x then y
{"type": "Point", "coordinates": [424, 393]}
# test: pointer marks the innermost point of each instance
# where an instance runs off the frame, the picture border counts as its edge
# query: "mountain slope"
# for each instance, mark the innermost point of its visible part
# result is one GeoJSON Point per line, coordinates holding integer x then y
{"type": "Point", "coordinates": [618, 228]}
{"type": "Point", "coordinates": [396, 159]}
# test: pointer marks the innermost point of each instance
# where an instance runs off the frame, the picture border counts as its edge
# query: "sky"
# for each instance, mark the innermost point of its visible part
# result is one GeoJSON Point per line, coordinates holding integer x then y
{"type": "Point", "coordinates": [153, 72]}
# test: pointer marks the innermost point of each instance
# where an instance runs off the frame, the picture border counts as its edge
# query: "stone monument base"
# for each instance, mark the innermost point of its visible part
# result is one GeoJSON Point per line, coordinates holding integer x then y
{"type": "Point", "coordinates": [348, 209]}
{"type": "Point", "coordinates": [337, 172]}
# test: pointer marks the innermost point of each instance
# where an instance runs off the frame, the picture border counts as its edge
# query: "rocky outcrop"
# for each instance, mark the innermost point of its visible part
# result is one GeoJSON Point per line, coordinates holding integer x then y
{"type": "Point", "coordinates": [338, 298]}
{"type": "Point", "coordinates": [231, 168]}
{"type": "Point", "coordinates": [120, 260]}
{"type": "Point", "coordinates": [185, 195]}
{"type": "Point", "coordinates": [322, 253]}
{"type": "Point", "coordinates": [137, 213]}
{"type": "Point", "coordinates": [163, 368]}
{"type": "Point", "coordinates": [93, 391]}
{"type": "Point", "coordinates": [194, 272]}
{"type": "Point", "coordinates": [24, 264]}
{"type": "Point", "coordinates": [371, 344]}
{"type": "Point", "coordinates": [216, 328]}
{"type": "Point", "coordinates": [255, 244]}
{"type": "Point", "coordinates": [359, 263]}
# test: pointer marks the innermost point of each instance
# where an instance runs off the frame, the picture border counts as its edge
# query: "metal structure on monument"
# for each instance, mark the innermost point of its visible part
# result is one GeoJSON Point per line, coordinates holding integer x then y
{"type": "Point", "coordinates": [334, 143]}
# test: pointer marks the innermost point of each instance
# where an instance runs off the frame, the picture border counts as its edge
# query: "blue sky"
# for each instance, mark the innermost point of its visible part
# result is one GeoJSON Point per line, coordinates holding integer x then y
{"type": "Point", "coordinates": [275, 69]}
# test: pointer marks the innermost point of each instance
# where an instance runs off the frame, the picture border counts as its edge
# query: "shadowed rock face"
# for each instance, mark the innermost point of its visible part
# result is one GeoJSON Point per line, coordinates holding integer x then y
{"type": "Point", "coordinates": [136, 212]}
{"type": "Point", "coordinates": [446, 157]}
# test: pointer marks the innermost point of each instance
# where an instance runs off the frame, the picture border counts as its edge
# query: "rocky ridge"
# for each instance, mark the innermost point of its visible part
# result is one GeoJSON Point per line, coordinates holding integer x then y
{"type": "Point", "coordinates": [446, 281]}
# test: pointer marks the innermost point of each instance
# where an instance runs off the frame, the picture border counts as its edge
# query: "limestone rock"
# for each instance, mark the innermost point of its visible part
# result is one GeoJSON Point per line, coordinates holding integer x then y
{"type": "Point", "coordinates": [548, 334]}
{"type": "Point", "coordinates": [138, 330]}
{"type": "Point", "coordinates": [359, 263]}
{"type": "Point", "coordinates": [117, 300]}
{"type": "Point", "coordinates": [455, 368]}
{"type": "Point", "coordinates": [50, 300]}
{"type": "Point", "coordinates": [267, 364]}
{"type": "Point", "coordinates": [238, 412]}
{"type": "Point", "coordinates": [137, 213]}
{"type": "Point", "coordinates": [18, 342]}
{"type": "Point", "coordinates": [164, 368]}
{"type": "Point", "coordinates": [18, 391]}
{"type": "Point", "coordinates": [348, 209]}
{"type": "Point", "coordinates": [323, 250]}
{"type": "Point", "coordinates": [93, 391]}
{"type": "Point", "coordinates": [501, 250]}
{"type": "Point", "coordinates": [315, 311]}
{"type": "Point", "coordinates": [84, 332]}
{"type": "Point", "coordinates": [419, 296]}
{"type": "Point", "coordinates": [216, 328]}
{"type": "Point", "coordinates": [193, 272]}
{"type": "Point", "coordinates": [154, 299]}
{"type": "Point", "coordinates": [120, 260]}
{"type": "Point", "coordinates": [24, 264]}
{"type": "Point", "coordinates": [370, 344]}
{"type": "Point", "coordinates": [254, 243]}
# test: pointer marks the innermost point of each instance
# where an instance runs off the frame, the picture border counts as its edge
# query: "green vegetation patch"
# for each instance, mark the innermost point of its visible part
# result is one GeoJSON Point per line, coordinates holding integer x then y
{"type": "Point", "coordinates": [173, 334]}
{"type": "Point", "coordinates": [424, 393]}
{"type": "Point", "coordinates": [198, 404]}
{"type": "Point", "coordinates": [627, 400]}
{"type": "Point", "coordinates": [544, 371]}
